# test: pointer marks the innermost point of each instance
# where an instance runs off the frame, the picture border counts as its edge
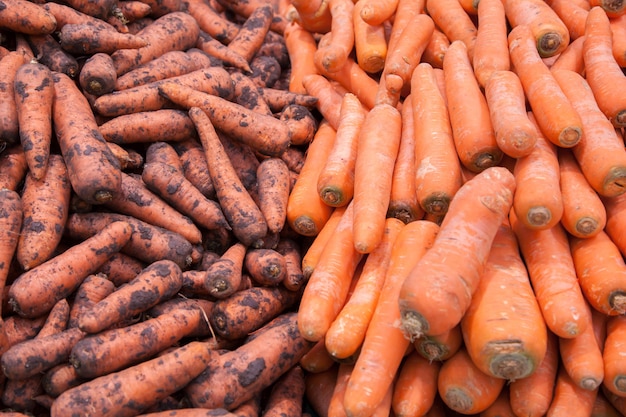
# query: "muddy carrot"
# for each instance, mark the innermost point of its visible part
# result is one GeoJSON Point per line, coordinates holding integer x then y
{"type": "Point", "coordinates": [223, 276]}
{"type": "Point", "coordinates": [60, 378]}
{"type": "Point", "coordinates": [286, 395]}
{"type": "Point", "coordinates": [252, 32]}
{"type": "Point", "coordinates": [301, 123]}
{"type": "Point", "coordinates": [194, 165]}
{"type": "Point", "coordinates": [13, 167]}
{"type": "Point", "coordinates": [266, 266]}
{"type": "Point", "coordinates": [212, 22]}
{"type": "Point", "coordinates": [11, 219]}
{"type": "Point", "coordinates": [149, 126]}
{"type": "Point", "coordinates": [170, 64]}
{"type": "Point", "coordinates": [88, 39]}
{"type": "Point", "coordinates": [49, 52]}
{"type": "Point", "coordinates": [9, 127]}
{"type": "Point", "coordinates": [26, 17]}
{"type": "Point", "coordinates": [97, 75]}
{"type": "Point", "coordinates": [121, 268]}
{"type": "Point", "coordinates": [218, 50]}
{"type": "Point", "coordinates": [273, 192]}
{"type": "Point", "coordinates": [93, 289]}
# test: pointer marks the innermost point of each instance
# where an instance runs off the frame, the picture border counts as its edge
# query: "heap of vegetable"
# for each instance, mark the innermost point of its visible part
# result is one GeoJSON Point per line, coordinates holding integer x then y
{"type": "Point", "coordinates": [373, 208]}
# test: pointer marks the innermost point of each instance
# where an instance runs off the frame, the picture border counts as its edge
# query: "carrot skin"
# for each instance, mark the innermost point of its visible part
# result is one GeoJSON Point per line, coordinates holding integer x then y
{"type": "Point", "coordinates": [11, 215]}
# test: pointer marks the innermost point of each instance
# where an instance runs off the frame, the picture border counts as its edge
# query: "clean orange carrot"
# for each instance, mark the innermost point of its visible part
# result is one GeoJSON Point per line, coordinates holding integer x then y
{"type": "Point", "coordinates": [491, 50]}
{"type": "Point", "coordinates": [317, 360]}
{"type": "Point", "coordinates": [301, 46]}
{"type": "Point", "coordinates": [415, 388]}
{"type": "Point", "coordinates": [306, 211]}
{"type": "Point", "coordinates": [435, 284]}
{"type": "Point", "coordinates": [454, 21]}
{"type": "Point", "coordinates": [314, 16]}
{"type": "Point", "coordinates": [328, 98]}
{"type": "Point", "coordinates": [563, 128]}
{"type": "Point", "coordinates": [515, 348]}
{"type": "Point", "coordinates": [30, 295]}
{"type": "Point", "coordinates": [618, 28]}
{"type": "Point", "coordinates": [611, 8]}
{"type": "Point", "coordinates": [572, 57]}
{"type": "Point", "coordinates": [405, 11]}
{"type": "Point", "coordinates": [373, 174]}
{"type": "Point", "coordinates": [335, 406]}
{"type": "Point", "coordinates": [45, 208]}
{"type": "Point", "coordinates": [434, 144]}
{"type": "Point", "coordinates": [464, 388]}
{"type": "Point", "coordinates": [472, 129]}
{"type": "Point", "coordinates": [370, 41]}
{"type": "Point", "coordinates": [584, 214]}
{"type": "Point", "coordinates": [333, 55]}
{"type": "Point", "coordinates": [327, 287]}
{"type": "Point", "coordinates": [376, 12]}
{"type": "Point", "coordinates": [313, 251]}
{"type": "Point", "coordinates": [439, 347]}
{"type": "Point", "coordinates": [515, 134]}
{"type": "Point", "coordinates": [601, 143]}
{"type": "Point", "coordinates": [569, 398]}
{"type": "Point", "coordinates": [347, 331]}
{"type": "Point", "coordinates": [26, 17]}
{"type": "Point", "coordinates": [11, 220]}
{"type": "Point", "coordinates": [374, 373]}
{"type": "Point", "coordinates": [572, 15]}
{"type": "Point", "coordinates": [614, 373]}
{"type": "Point", "coordinates": [436, 49]}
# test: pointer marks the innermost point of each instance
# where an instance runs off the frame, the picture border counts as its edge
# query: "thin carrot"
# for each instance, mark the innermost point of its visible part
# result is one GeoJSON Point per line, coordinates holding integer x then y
{"type": "Point", "coordinates": [570, 398]}
{"type": "Point", "coordinates": [454, 21]}
{"type": "Point", "coordinates": [434, 143]}
{"type": "Point", "coordinates": [26, 17]}
{"type": "Point", "coordinates": [572, 57]}
{"type": "Point", "coordinates": [515, 348]}
{"type": "Point", "coordinates": [212, 22]}
{"type": "Point", "coordinates": [563, 128]}
{"type": "Point", "coordinates": [45, 209]}
{"type": "Point", "coordinates": [470, 120]}
{"type": "Point", "coordinates": [252, 32]}
{"type": "Point", "coordinates": [613, 364]}
{"type": "Point", "coordinates": [491, 50]}
{"type": "Point", "coordinates": [434, 285]}
{"type": "Point", "coordinates": [11, 220]}
{"type": "Point", "coordinates": [368, 382]}
{"type": "Point", "coordinates": [218, 50]}
{"type": "Point", "coordinates": [9, 127]}
{"type": "Point", "coordinates": [415, 388]}
{"type": "Point", "coordinates": [584, 214]}
{"type": "Point", "coordinates": [603, 407]}
{"type": "Point", "coordinates": [314, 250]}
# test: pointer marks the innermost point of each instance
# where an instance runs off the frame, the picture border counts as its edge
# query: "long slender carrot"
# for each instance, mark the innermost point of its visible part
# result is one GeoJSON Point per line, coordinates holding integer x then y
{"type": "Point", "coordinates": [491, 50]}
{"type": "Point", "coordinates": [354, 79]}
{"type": "Point", "coordinates": [313, 251]}
{"type": "Point", "coordinates": [563, 128]}
{"type": "Point", "coordinates": [371, 376]}
{"type": "Point", "coordinates": [454, 21]}
{"type": "Point", "coordinates": [373, 174]}
{"type": "Point", "coordinates": [447, 275]}
{"type": "Point", "coordinates": [328, 97]}
{"type": "Point", "coordinates": [434, 144]}
{"type": "Point", "coordinates": [11, 220]}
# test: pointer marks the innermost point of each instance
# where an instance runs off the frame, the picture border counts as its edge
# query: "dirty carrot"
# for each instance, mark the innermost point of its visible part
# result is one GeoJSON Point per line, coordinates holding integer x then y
{"type": "Point", "coordinates": [26, 17]}
{"type": "Point", "coordinates": [9, 127]}
{"type": "Point", "coordinates": [60, 378]}
{"type": "Point", "coordinates": [93, 289]}
{"type": "Point", "coordinates": [286, 395]}
{"type": "Point", "coordinates": [45, 208]}
{"type": "Point", "coordinates": [300, 122]}
{"type": "Point", "coordinates": [149, 126]}
{"type": "Point", "coordinates": [194, 165]}
{"type": "Point", "coordinates": [434, 285]}
{"type": "Point", "coordinates": [212, 22]}
{"type": "Point", "coordinates": [265, 266]}
{"type": "Point", "coordinates": [454, 21]}
{"type": "Point", "coordinates": [13, 167]}
{"type": "Point", "coordinates": [50, 53]}
{"type": "Point", "coordinates": [252, 32]}
{"type": "Point", "coordinates": [11, 219]}
{"type": "Point", "coordinates": [470, 120]}
{"type": "Point", "coordinates": [216, 49]}
{"type": "Point", "coordinates": [86, 39]}
{"type": "Point", "coordinates": [170, 64]}
{"type": "Point", "coordinates": [434, 144]}
{"type": "Point", "coordinates": [121, 268]}
{"type": "Point", "coordinates": [273, 192]}
{"type": "Point", "coordinates": [97, 75]}
{"type": "Point", "coordinates": [223, 276]}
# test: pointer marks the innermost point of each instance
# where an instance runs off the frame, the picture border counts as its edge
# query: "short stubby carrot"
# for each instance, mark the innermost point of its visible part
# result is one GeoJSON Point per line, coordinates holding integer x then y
{"type": "Point", "coordinates": [97, 75]}
{"type": "Point", "coordinates": [447, 275]}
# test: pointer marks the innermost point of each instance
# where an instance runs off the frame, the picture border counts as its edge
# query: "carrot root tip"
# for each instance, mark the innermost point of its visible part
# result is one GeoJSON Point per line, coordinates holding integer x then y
{"type": "Point", "coordinates": [103, 196]}
{"type": "Point", "coordinates": [432, 351]}
{"type": "Point", "coordinates": [436, 204]}
{"type": "Point", "coordinates": [305, 226]}
{"type": "Point", "coordinates": [486, 160]}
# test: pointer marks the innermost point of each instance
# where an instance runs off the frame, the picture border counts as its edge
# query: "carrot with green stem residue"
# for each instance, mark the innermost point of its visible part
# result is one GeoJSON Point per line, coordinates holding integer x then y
{"type": "Point", "coordinates": [440, 282]}
{"type": "Point", "coordinates": [612, 9]}
{"type": "Point", "coordinates": [11, 219]}
{"type": "Point", "coordinates": [373, 374]}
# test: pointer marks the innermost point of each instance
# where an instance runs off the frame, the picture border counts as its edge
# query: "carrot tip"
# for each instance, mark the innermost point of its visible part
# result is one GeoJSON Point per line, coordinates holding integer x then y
{"type": "Point", "coordinates": [620, 119]}
{"type": "Point", "coordinates": [511, 366]}
{"type": "Point", "coordinates": [570, 136]}
{"type": "Point", "coordinates": [458, 400]}
{"type": "Point", "coordinates": [305, 226]}
{"type": "Point", "coordinates": [436, 204]}
{"type": "Point", "coordinates": [486, 160]}
{"type": "Point", "coordinates": [590, 384]}
{"type": "Point", "coordinates": [332, 196]}
{"type": "Point", "coordinates": [432, 351]}
{"type": "Point", "coordinates": [538, 216]}
{"type": "Point", "coordinates": [413, 324]}
{"type": "Point", "coordinates": [549, 44]}
{"type": "Point", "coordinates": [586, 226]}
{"type": "Point", "coordinates": [617, 301]}
{"type": "Point", "coordinates": [619, 382]}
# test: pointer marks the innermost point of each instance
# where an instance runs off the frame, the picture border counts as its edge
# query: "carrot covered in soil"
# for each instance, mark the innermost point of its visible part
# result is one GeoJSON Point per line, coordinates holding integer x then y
{"type": "Point", "coordinates": [170, 125]}
{"type": "Point", "coordinates": [26, 17]}
{"type": "Point", "coordinates": [273, 192]}
{"type": "Point", "coordinates": [252, 31]}
{"type": "Point", "coordinates": [97, 75]}
{"type": "Point", "coordinates": [9, 128]}
{"type": "Point", "coordinates": [11, 215]}
{"type": "Point", "coordinates": [50, 53]}
{"type": "Point", "coordinates": [223, 277]}
{"type": "Point", "coordinates": [265, 266]}
{"type": "Point", "coordinates": [434, 284]}
{"type": "Point", "coordinates": [13, 167]}
{"type": "Point", "coordinates": [86, 39]}
{"type": "Point", "coordinates": [286, 395]}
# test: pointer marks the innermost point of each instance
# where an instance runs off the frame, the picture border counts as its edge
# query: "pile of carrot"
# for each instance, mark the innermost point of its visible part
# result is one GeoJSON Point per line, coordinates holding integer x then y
{"type": "Point", "coordinates": [286, 207]}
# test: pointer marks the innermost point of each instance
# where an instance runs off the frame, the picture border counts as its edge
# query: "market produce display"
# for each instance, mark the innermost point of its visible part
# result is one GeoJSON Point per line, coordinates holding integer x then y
{"type": "Point", "coordinates": [335, 208]}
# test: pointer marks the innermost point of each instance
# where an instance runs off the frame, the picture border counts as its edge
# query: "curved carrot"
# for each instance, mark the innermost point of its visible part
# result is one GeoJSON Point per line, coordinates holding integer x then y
{"type": "Point", "coordinates": [454, 21]}
{"type": "Point", "coordinates": [371, 376]}
{"type": "Point", "coordinates": [563, 128]}
{"type": "Point", "coordinates": [354, 79]}
{"type": "Point", "coordinates": [26, 17]}
{"type": "Point", "coordinates": [491, 50]}
{"type": "Point", "coordinates": [472, 129]}
{"type": "Point", "coordinates": [292, 252]}
{"type": "Point", "coordinates": [415, 388]}
{"type": "Point", "coordinates": [333, 55]}
{"type": "Point", "coordinates": [376, 12]}
{"type": "Point", "coordinates": [252, 32]}
{"type": "Point", "coordinates": [448, 273]}
{"type": "Point", "coordinates": [89, 39]}
{"type": "Point", "coordinates": [93, 289]}
{"type": "Point", "coordinates": [618, 29]}
{"type": "Point", "coordinates": [328, 98]}
{"type": "Point", "coordinates": [434, 143]}
{"type": "Point", "coordinates": [265, 266]}
{"type": "Point", "coordinates": [212, 22]}
{"type": "Point", "coordinates": [314, 16]}
{"type": "Point", "coordinates": [436, 49]}
{"type": "Point", "coordinates": [223, 277]}
{"type": "Point", "coordinates": [570, 398]}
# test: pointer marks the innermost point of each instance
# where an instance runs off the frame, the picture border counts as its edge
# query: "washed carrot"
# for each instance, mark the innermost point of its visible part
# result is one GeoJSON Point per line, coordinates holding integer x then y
{"type": "Point", "coordinates": [593, 258]}
{"type": "Point", "coordinates": [563, 128]}
{"type": "Point", "coordinates": [335, 407]}
{"type": "Point", "coordinates": [51, 54]}
{"type": "Point", "coordinates": [439, 347]}
{"type": "Point", "coordinates": [572, 15]}
{"type": "Point", "coordinates": [285, 397]}
{"type": "Point", "coordinates": [301, 46]}
{"type": "Point", "coordinates": [252, 32]}
{"type": "Point", "coordinates": [45, 210]}
{"type": "Point", "coordinates": [373, 174]}
{"type": "Point", "coordinates": [313, 251]}
{"type": "Point", "coordinates": [11, 219]}
{"type": "Point", "coordinates": [436, 49]}
{"type": "Point", "coordinates": [603, 407]}
{"type": "Point", "coordinates": [434, 284]}
{"type": "Point", "coordinates": [9, 124]}
{"type": "Point", "coordinates": [212, 22]}
{"type": "Point", "coordinates": [584, 214]}
{"type": "Point", "coordinates": [472, 129]}
{"type": "Point", "coordinates": [454, 21]}
{"type": "Point", "coordinates": [224, 276]}
{"type": "Point", "coordinates": [491, 50]}
{"type": "Point", "coordinates": [570, 398]}
{"type": "Point", "coordinates": [611, 8]}
{"type": "Point", "coordinates": [613, 368]}
{"type": "Point", "coordinates": [370, 42]}
{"type": "Point", "coordinates": [376, 12]}
{"type": "Point", "coordinates": [355, 80]}
{"type": "Point", "coordinates": [434, 143]}
{"type": "Point", "coordinates": [13, 167]}
{"type": "Point", "coordinates": [313, 16]}
{"type": "Point", "coordinates": [333, 55]}
{"type": "Point", "coordinates": [405, 11]}
{"type": "Point", "coordinates": [368, 383]}
{"type": "Point", "coordinates": [618, 44]}
{"type": "Point", "coordinates": [464, 388]}
{"type": "Point", "coordinates": [515, 348]}
{"type": "Point", "coordinates": [26, 17]}
{"type": "Point", "coordinates": [415, 388]}
{"type": "Point", "coordinates": [571, 58]}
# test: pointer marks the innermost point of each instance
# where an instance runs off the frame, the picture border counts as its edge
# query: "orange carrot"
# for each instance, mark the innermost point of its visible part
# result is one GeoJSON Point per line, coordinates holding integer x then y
{"type": "Point", "coordinates": [273, 192]}
{"type": "Point", "coordinates": [491, 50]}
{"type": "Point", "coordinates": [9, 127]}
{"type": "Point", "coordinates": [266, 266]}
{"type": "Point", "coordinates": [613, 364]}
{"type": "Point", "coordinates": [170, 64]}
{"type": "Point", "coordinates": [223, 277]}
{"type": "Point", "coordinates": [170, 125]}
{"type": "Point", "coordinates": [327, 287]}
{"type": "Point", "coordinates": [313, 251]}
{"type": "Point", "coordinates": [93, 289]}
{"type": "Point", "coordinates": [212, 22]}
{"type": "Point", "coordinates": [572, 15]}
{"type": "Point", "coordinates": [454, 21]}
{"type": "Point", "coordinates": [13, 167]}
{"type": "Point", "coordinates": [194, 165]}
{"type": "Point", "coordinates": [333, 55]}
{"type": "Point", "coordinates": [515, 348]}
{"type": "Point", "coordinates": [572, 57]}
{"type": "Point", "coordinates": [464, 388]}
{"type": "Point", "coordinates": [439, 347]}
{"type": "Point", "coordinates": [415, 388]}
{"type": "Point", "coordinates": [570, 398]}
{"type": "Point", "coordinates": [11, 220]}
{"type": "Point", "coordinates": [335, 406]}
{"type": "Point", "coordinates": [472, 129]}
{"type": "Point", "coordinates": [376, 12]}
{"type": "Point", "coordinates": [50, 53]}
{"type": "Point", "coordinates": [371, 376]}
{"type": "Point", "coordinates": [252, 32]}
{"type": "Point", "coordinates": [563, 128]}
{"type": "Point", "coordinates": [370, 42]}
{"type": "Point", "coordinates": [584, 214]}
{"type": "Point", "coordinates": [611, 8]}
{"type": "Point", "coordinates": [434, 144]}
{"type": "Point", "coordinates": [328, 98]}
{"type": "Point", "coordinates": [285, 397]}
{"type": "Point", "coordinates": [317, 360]}
{"type": "Point", "coordinates": [301, 46]}
{"type": "Point", "coordinates": [121, 268]}
{"type": "Point", "coordinates": [89, 39]}
{"type": "Point", "coordinates": [436, 49]}
{"type": "Point", "coordinates": [618, 43]}
{"type": "Point", "coordinates": [97, 75]}
{"type": "Point", "coordinates": [300, 122]}
{"type": "Point", "coordinates": [435, 284]}
{"type": "Point", "coordinates": [26, 17]}
{"type": "Point", "coordinates": [214, 48]}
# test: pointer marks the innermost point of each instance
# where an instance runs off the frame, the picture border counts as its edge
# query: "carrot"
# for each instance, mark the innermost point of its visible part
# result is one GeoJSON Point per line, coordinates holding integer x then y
{"type": "Point", "coordinates": [347, 331]}
{"type": "Point", "coordinates": [464, 388]}
{"type": "Point", "coordinates": [217, 50]}
{"type": "Point", "coordinates": [570, 398]}
{"type": "Point", "coordinates": [26, 17]}
{"type": "Point", "coordinates": [335, 407]}
{"type": "Point", "coordinates": [368, 384]}
{"type": "Point", "coordinates": [415, 388]}
{"type": "Point", "coordinates": [370, 42]}
{"type": "Point", "coordinates": [300, 121]}
{"type": "Point", "coordinates": [212, 22]}
{"type": "Point", "coordinates": [291, 250]}
{"type": "Point", "coordinates": [50, 53]}
{"type": "Point", "coordinates": [599, 268]}
{"type": "Point", "coordinates": [328, 97]}
{"type": "Point", "coordinates": [266, 266]}
{"type": "Point", "coordinates": [45, 209]}
{"type": "Point", "coordinates": [611, 8]}
{"type": "Point", "coordinates": [93, 289]}
{"type": "Point", "coordinates": [270, 352]}
{"type": "Point", "coordinates": [89, 39]}
{"type": "Point", "coordinates": [245, 311]}
{"type": "Point", "coordinates": [97, 75]}
{"type": "Point", "coordinates": [313, 16]}
{"type": "Point", "coordinates": [149, 126]}
{"type": "Point", "coordinates": [243, 159]}
{"type": "Point", "coordinates": [515, 348]}
{"type": "Point", "coordinates": [603, 407]}
{"type": "Point", "coordinates": [247, 93]}
{"type": "Point", "coordinates": [613, 368]}
{"type": "Point", "coordinates": [441, 346]}
{"type": "Point", "coordinates": [194, 165]}
{"type": "Point", "coordinates": [470, 120]}
{"type": "Point", "coordinates": [313, 251]}
{"type": "Point", "coordinates": [224, 276]}
{"type": "Point", "coordinates": [491, 49]}
{"type": "Point", "coordinates": [333, 55]}
{"type": "Point", "coordinates": [572, 15]}
{"type": "Point", "coordinates": [121, 268]}
{"type": "Point", "coordinates": [13, 167]}
{"type": "Point", "coordinates": [355, 80]}
{"type": "Point", "coordinates": [132, 10]}
{"type": "Point", "coordinates": [11, 219]}
{"type": "Point", "coordinates": [584, 214]}
{"type": "Point", "coordinates": [563, 128]}
{"type": "Point", "coordinates": [436, 49]}
{"type": "Point", "coordinates": [9, 124]}
{"type": "Point", "coordinates": [60, 378]}
{"type": "Point", "coordinates": [454, 22]}
{"type": "Point", "coordinates": [252, 32]}
{"type": "Point", "coordinates": [246, 9]}
{"type": "Point", "coordinates": [273, 192]}
{"type": "Point", "coordinates": [301, 46]}
{"type": "Point", "coordinates": [618, 44]}
{"type": "Point", "coordinates": [372, 185]}
{"type": "Point", "coordinates": [170, 64]}
{"type": "Point", "coordinates": [434, 284]}
{"type": "Point", "coordinates": [434, 145]}
{"type": "Point", "coordinates": [285, 397]}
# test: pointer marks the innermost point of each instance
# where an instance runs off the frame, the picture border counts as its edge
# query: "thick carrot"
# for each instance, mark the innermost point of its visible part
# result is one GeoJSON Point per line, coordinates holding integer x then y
{"type": "Point", "coordinates": [45, 209]}
{"type": "Point", "coordinates": [572, 15]}
{"type": "Point", "coordinates": [13, 167]}
{"type": "Point", "coordinates": [563, 128]}
{"type": "Point", "coordinates": [434, 144]}
{"type": "Point", "coordinates": [373, 374]}
{"type": "Point", "coordinates": [26, 17]}
{"type": "Point", "coordinates": [515, 348]}
{"type": "Point", "coordinates": [93, 171]}
{"type": "Point", "coordinates": [89, 39]}
{"type": "Point", "coordinates": [9, 124]}
{"type": "Point", "coordinates": [470, 120]}
{"type": "Point", "coordinates": [584, 214]}
{"type": "Point", "coordinates": [171, 32]}
{"type": "Point", "coordinates": [370, 41]}
{"type": "Point", "coordinates": [614, 373]}
{"type": "Point", "coordinates": [436, 49]}
{"type": "Point", "coordinates": [454, 21]}
{"type": "Point", "coordinates": [415, 388]}
{"type": "Point", "coordinates": [571, 58]}
{"type": "Point", "coordinates": [515, 134]}
{"type": "Point", "coordinates": [266, 266]}
{"type": "Point", "coordinates": [149, 126]}
{"type": "Point", "coordinates": [333, 55]}
{"type": "Point", "coordinates": [253, 366]}
{"type": "Point", "coordinates": [65, 14]}
{"type": "Point", "coordinates": [252, 32]}
{"type": "Point", "coordinates": [373, 174]}
{"type": "Point", "coordinates": [618, 43]}
{"type": "Point", "coordinates": [51, 54]}
{"type": "Point", "coordinates": [300, 121]}
{"type": "Point", "coordinates": [491, 50]}
{"type": "Point", "coordinates": [603, 406]}
{"type": "Point", "coordinates": [223, 277]}
{"type": "Point", "coordinates": [285, 397]}
{"type": "Point", "coordinates": [448, 274]}
{"type": "Point", "coordinates": [464, 388]}
{"type": "Point", "coordinates": [244, 160]}
{"type": "Point", "coordinates": [11, 220]}
{"type": "Point", "coordinates": [600, 267]}
{"type": "Point", "coordinates": [313, 16]}
{"type": "Point", "coordinates": [611, 8]}
{"type": "Point", "coordinates": [569, 398]}
{"type": "Point", "coordinates": [97, 75]}
{"type": "Point", "coordinates": [30, 295]}
{"type": "Point", "coordinates": [335, 407]}
{"type": "Point", "coordinates": [121, 268]}
{"type": "Point", "coordinates": [60, 378]}
{"type": "Point", "coordinates": [212, 22]}
{"type": "Point", "coordinates": [441, 346]}
{"type": "Point", "coordinates": [273, 192]}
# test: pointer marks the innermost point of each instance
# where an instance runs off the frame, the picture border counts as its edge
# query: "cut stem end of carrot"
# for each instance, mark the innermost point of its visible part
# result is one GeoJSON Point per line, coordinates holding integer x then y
{"type": "Point", "coordinates": [511, 366]}
{"type": "Point", "coordinates": [617, 301]}
{"type": "Point", "coordinates": [586, 226]}
{"type": "Point", "coordinates": [458, 400]}
{"type": "Point", "coordinates": [549, 44]}
{"type": "Point", "coordinates": [614, 183]}
{"type": "Point", "coordinates": [414, 325]}
{"type": "Point", "coordinates": [538, 217]}
{"type": "Point", "coordinates": [570, 136]}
